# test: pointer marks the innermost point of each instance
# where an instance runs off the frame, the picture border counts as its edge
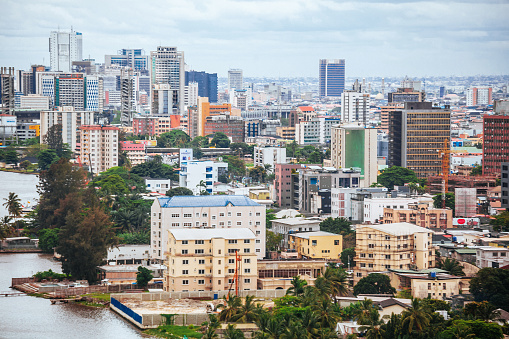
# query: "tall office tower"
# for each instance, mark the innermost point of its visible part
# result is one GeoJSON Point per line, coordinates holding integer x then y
{"type": "Point", "coordinates": [7, 90]}
{"type": "Point", "coordinates": [64, 48]}
{"type": "Point", "coordinates": [132, 58]}
{"type": "Point", "coordinates": [167, 74]}
{"type": "Point", "coordinates": [496, 139]}
{"type": "Point", "coordinates": [354, 145]}
{"type": "Point", "coordinates": [416, 133]}
{"type": "Point", "coordinates": [479, 96]}
{"type": "Point", "coordinates": [505, 185]}
{"type": "Point", "coordinates": [24, 82]}
{"type": "Point", "coordinates": [207, 84]}
{"type": "Point", "coordinates": [126, 97]}
{"type": "Point", "coordinates": [331, 77]}
{"type": "Point", "coordinates": [441, 91]}
{"type": "Point", "coordinates": [355, 104]}
{"type": "Point", "coordinates": [235, 79]}
{"type": "Point", "coordinates": [75, 90]}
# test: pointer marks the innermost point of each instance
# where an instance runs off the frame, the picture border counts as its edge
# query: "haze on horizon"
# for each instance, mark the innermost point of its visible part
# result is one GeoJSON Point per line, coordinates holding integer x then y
{"type": "Point", "coordinates": [279, 38]}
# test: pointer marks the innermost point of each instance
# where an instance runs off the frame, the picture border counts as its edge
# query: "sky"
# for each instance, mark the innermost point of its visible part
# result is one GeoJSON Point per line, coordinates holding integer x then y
{"type": "Point", "coordinates": [274, 38]}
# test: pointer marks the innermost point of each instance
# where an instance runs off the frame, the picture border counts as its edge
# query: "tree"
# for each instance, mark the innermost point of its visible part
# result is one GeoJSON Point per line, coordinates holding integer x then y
{"type": "Point", "coordinates": [53, 139]}
{"type": "Point", "coordinates": [25, 164]}
{"type": "Point", "coordinates": [175, 191]}
{"type": "Point", "coordinates": [6, 229]}
{"type": "Point", "coordinates": [483, 310]}
{"type": "Point", "coordinates": [11, 156]}
{"type": "Point", "coordinates": [46, 158]}
{"type": "Point", "coordinates": [397, 176]}
{"type": "Point", "coordinates": [220, 140]}
{"type": "Point", "coordinates": [336, 225]}
{"type": "Point", "coordinates": [491, 284]}
{"type": "Point", "coordinates": [174, 138]}
{"type": "Point", "coordinates": [112, 185]}
{"type": "Point", "coordinates": [209, 327]}
{"type": "Point", "coordinates": [200, 142]}
{"type": "Point", "coordinates": [477, 170]}
{"type": "Point", "coordinates": [197, 153]}
{"type": "Point", "coordinates": [13, 205]}
{"type": "Point", "coordinates": [372, 324]}
{"type": "Point", "coordinates": [415, 317]}
{"type": "Point", "coordinates": [452, 266]}
{"type": "Point", "coordinates": [466, 329]}
{"type": "Point", "coordinates": [298, 285]}
{"type": "Point", "coordinates": [375, 283]}
{"type": "Point", "coordinates": [449, 201]}
{"type": "Point", "coordinates": [315, 158]}
{"type": "Point", "coordinates": [236, 166]}
{"type": "Point", "coordinates": [240, 148]}
{"type": "Point", "coordinates": [501, 222]}
{"type": "Point", "coordinates": [230, 307]}
{"type": "Point", "coordinates": [202, 186]}
{"type": "Point", "coordinates": [48, 239]}
{"type": "Point", "coordinates": [247, 312]}
{"type": "Point", "coordinates": [337, 279]}
{"type": "Point", "coordinates": [155, 169]}
{"type": "Point", "coordinates": [258, 173]}
{"type": "Point", "coordinates": [273, 241]}
{"type": "Point", "coordinates": [143, 276]}
{"type": "Point", "coordinates": [233, 333]}
{"type": "Point", "coordinates": [347, 257]}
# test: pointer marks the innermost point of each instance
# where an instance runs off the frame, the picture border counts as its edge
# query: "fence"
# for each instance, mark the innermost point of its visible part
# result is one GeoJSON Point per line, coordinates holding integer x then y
{"type": "Point", "coordinates": [127, 311]}
{"type": "Point", "coordinates": [19, 281]}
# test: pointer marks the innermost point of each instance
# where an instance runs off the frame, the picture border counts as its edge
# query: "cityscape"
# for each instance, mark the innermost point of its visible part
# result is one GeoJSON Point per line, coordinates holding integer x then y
{"type": "Point", "coordinates": [146, 196]}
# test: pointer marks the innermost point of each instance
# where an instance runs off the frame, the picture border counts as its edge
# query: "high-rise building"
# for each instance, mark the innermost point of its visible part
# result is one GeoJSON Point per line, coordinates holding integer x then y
{"type": "Point", "coordinates": [416, 133]}
{"type": "Point", "coordinates": [7, 90]}
{"type": "Point", "coordinates": [479, 96]}
{"type": "Point", "coordinates": [132, 58]}
{"type": "Point", "coordinates": [235, 79]}
{"type": "Point", "coordinates": [354, 145]}
{"type": "Point", "coordinates": [191, 94]}
{"type": "Point", "coordinates": [167, 76]}
{"type": "Point", "coordinates": [64, 48]}
{"type": "Point", "coordinates": [355, 105]}
{"type": "Point", "coordinates": [504, 182]}
{"type": "Point", "coordinates": [207, 84]}
{"type": "Point", "coordinates": [331, 77]}
{"type": "Point", "coordinates": [78, 91]}
{"type": "Point", "coordinates": [198, 117]}
{"type": "Point", "coordinates": [415, 85]}
{"type": "Point", "coordinates": [495, 144]}
{"type": "Point", "coordinates": [99, 147]}
{"type": "Point", "coordinates": [404, 94]}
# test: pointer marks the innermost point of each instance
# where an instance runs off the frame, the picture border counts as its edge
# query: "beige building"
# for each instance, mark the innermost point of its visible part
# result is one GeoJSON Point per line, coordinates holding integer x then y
{"type": "Point", "coordinates": [489, 256]}
{"type": "Point", "coordinates": [420, 214]}
{"type": "Point", "coordinates": [317, 245]}
{"type": "Point", "coordinates": [392, 246]}
{"type": "Point", "coordinates": [211, 260]}
{"type": "Point", "coordinates": [286, 132]}
{"type": "Point", "coordinates": [286, 226]}
{"type": "Point", "coordinates": [278, 274]}
{"type": "Point", "coordinates": [431, 284]}
{"type": "Point", "coordinates": [205, 212]}
{"type": "Point", "coordinates": [99, 147]}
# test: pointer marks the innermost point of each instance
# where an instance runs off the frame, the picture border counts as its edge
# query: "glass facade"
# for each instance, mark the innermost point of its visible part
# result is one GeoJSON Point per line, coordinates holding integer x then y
{"type": "Point", "coordinates": [331, 77]}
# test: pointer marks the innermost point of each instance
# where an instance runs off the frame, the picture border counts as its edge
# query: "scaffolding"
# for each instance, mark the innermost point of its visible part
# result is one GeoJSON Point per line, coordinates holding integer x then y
{"type": "Point", "coordinates": [7, 90]}
{"type": "Point", "coordinates": [126, 97]}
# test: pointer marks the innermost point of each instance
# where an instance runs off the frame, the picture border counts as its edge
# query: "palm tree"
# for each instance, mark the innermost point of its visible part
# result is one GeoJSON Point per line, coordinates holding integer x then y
{"type": "Point", "coordinates": [209, 327]}
{"type": "Point", "coordinates": [373, 325]}
{"type": "Point", "coordinates": [232, 333]}
{"type": "Point", "coordinates": [230, 307]}
{"type": "Point", "coordinates": [269, 327]}
{"type": "Point", "coordinates": [247, 312]}
{"type": "Point", "coordinates": [323, 287]}
{"type": "Point", "coordinates": [13, 205]}
{"type": "Point", "coordinates": [325, 313]}
{"type": "Point", "coordinates": [310, 323]}
{"type": "Point", "coordinates": [6, 228]}
{"type": "Point", "coordinates": [415, 317]}
{"type": "Point", "coordinates": [452, 266]}
{"type": "Point", "coordinates": [363, 314]}
{"type": "Point", "coordinates": [337, 278]}
{"type": "Point", "coordinates": [298, 285]}
{"type": "Point", "coordinates": [203, 187]}
{"type": "Point", "coordinates": [294, 330]}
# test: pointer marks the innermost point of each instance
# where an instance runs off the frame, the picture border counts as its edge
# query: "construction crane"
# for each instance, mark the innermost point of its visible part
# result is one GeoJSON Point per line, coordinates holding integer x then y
{"type": "Point", "coordinates": [445, 153]}
{"type": "Point", "coordinates": [235, 275]}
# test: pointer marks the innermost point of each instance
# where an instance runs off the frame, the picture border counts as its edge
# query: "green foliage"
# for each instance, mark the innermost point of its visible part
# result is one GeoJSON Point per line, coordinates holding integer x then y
{"type": "Point", "coordinates": [155, 169]}
{"type": "Point", "coordinates": [176, 191]}
{"type": "Point", "coordinates": [174, 332]}
{"type": "Point", "coordinates": [477, 170]}
{"type": "Point", "coordinates": [173, 139]}
{"type": "Point", "coordinates": [143, 276]}
{"type": "Point", "coordinates": [397, 176]}
{"type": "Point", "coordinates": [491, 284]}
{"type": "Point", "coordinates": [50, 275]}
{"type": "Point", "coordinates": [10, 155]}
{"type": "Point", "coordinates": [451, 265]}
{"type": "Point", "coordinates": [472, 329]}
{"type": "Point", "coordinates": [46, 158]}
{"type": "Point", "coordinates": [374, 283]}
{"type": "Point", "coordinates": [269, 215]}
{"type": "Point", "coordinates": [13, 205]}
{"type": "Point", "coordinates": [135, 238]}
{"type": "Point", "coordinates": [435, 305]}
{"type": "Point", "coordinates": [112, 185]}
{"type": "Point", "coordinates": [501, 222]}
{"type": "Point", "coordinates": [336, 226]}
{"type": "Point", "coordinates": [449, 201]}
{"type": "Point", "coordinates": [48, 239]}
{"type": "Point", "coordinates": [236, 166]}
{"type": "Point", "coordinates": [348, 253]}
{"type": "Point", "coordinates": [258, 173]}
{"type": "Point", "coordinates": [483, 310]}
{"type": "Point", "coordinates": [273, 241]}
{"type": "Point", "coordinates": [115, 186]}
{"type": "Point", "coordinates": [25, 164]}
{"type": "Point", "coordinates": [316, 157]}
{"type": "Point", "coordinates": [220, 140]}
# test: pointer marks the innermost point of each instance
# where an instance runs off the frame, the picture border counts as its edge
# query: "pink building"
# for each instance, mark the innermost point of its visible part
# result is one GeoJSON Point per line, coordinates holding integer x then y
{"type": "Point", "coordinates": [135, 152]}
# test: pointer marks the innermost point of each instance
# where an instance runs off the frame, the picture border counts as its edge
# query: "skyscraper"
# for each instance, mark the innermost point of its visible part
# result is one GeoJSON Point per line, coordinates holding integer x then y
{"type": "Point", "coordinates": [355, 105]}
{"type": "Point", "coordinates": [235, 79]}
{"type": "Point", "coordinates": [133, 58]}
{"type": "Point", "coordinates": [64, 48]}
{"type": "Point", "coordinates": [207, 84]}
{"type": "Point", "coordinates": [331, 77]}
{"type": "Point", "coordinates": [167, 68]}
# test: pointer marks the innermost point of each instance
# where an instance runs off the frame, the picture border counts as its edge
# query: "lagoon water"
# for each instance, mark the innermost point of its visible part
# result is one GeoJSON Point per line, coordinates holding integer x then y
{"type": "Point", "coordinates": [31, 317]}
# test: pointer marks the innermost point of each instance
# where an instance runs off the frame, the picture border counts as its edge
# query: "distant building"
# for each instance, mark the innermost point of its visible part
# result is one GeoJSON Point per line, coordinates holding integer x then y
{"type": "Point", "coordinates": [331, 77]}
{"type": "Point", "coordinates": [420, 214]}
{"type": "Point", "coordinates": [235, 79]}
{"type": "Point", "coordinates": [158, 185]}
{"type": "Point", "coordinates": [283, 184]}
{"type": "Point", "coordinates": [64, 48]}
{"type": "Point", "coordinates": [135, 152]}
{"type": "Point", "coordinates": [505, 185]}
{"type": "Point", "coordinates": [317, 130]}
{"type": "Point", "coordinates": [197, 118]}
{"type": "Point", "coordinates": [465, 202]}
{"type": "Point", "coordinates": [348, 203]}
{"type": "Point", "coordinates": [128, 57]}
{"type": "Point", "coordinates": [207, 84]}
{"type": "Point", "coordinates": [479, 96]}
{"type": "Point", "coordinates": [34, 101]}
{"type": "Point", "coordinates": [211, 260]}
{"type": "Point", "coordinates": [403, 95]}
{"type": "Point", "coordinates": [288, 226]}
{"type": "Point", "coordinates": [99, 147]}
{"type": "Point", "coordinates": [194, 173]}
{"type": "Point", "coordinates": [355, 105]}
{"type": "Point", "coordinates": [232, 126]}
{"type": "Point", "coordinates": [496, 139]}
{"type": "Point", "coordinates": [495, 257]}
{"type": "Point", "coordinates": [269, 156]}
{"type": "Point", "coordinates": [374, 207]}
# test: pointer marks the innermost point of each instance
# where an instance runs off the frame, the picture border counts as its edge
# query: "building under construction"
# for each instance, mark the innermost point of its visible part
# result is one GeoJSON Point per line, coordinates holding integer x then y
{"type": "Point", "coordinates": [416, 136]}
{"type": "Point", "coordinates": [480, 183]}
{"type": "Point", "coordinates": [7, 90]}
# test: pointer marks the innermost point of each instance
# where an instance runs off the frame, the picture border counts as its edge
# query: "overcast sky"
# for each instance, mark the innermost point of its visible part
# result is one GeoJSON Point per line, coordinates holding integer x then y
{"type": "Point", "coordinates": [275, 37]}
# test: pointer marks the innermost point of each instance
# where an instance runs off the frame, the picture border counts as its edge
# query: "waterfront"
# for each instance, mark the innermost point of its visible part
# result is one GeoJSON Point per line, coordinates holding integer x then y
{"type": "Point", "coordinates": [31, 317]}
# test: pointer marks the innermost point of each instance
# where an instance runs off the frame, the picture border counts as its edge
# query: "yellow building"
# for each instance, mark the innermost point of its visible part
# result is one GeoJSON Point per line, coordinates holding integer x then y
{"type": "Point", "coordinates": [286, 132]}
{"type": "Point", "coordinates": [259, 194]}
{"type": "Point", "coordinates": [37, 129]}
{"type": "Point", "coordinates": [317, 245]}
{"type": "Point", "coordinates": [392, 246]}
{"type": "Point", "coordinates": [421, 215]}
{"type": "Point", "coordinates": [209, 259]}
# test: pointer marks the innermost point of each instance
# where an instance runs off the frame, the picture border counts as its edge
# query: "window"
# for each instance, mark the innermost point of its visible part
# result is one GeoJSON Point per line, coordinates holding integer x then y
{"type": "Point", "coordinates": [362, 255]}
{"type": "Point", "coordinates": [371, 245]}
{"type": "Point", "coordinates": [232, 250]}
{"type": "Point", "coordinates": [387, 256]}
{"type": "Point", "coordinates": [387, 237]}
{"type": "Point", "coordinates": [363, 265]}
{"type": "Point", "coordinates": [257, 232]}
{"type": "Point", "coordinates": [200, 251]}
{"type": "Point", "coordinates": [429, 286]}
{"type": "Point", "coordinates": [247, 270]}
{"type": "Point", "coordinates": [201, 271]}
{"type": "Point", "coordinates": [184, 251]}
{"type": "Point", "coordinates": [258, 214]}
{"type": "Point", "coordinates": [359, 275]}
{"type": "Point", "coordinates": [336, 242]}
{"type": "Point", "coordinates": [199, 242]}
{"type": "Point", "coordinates": [247, 261]}
{"type": "Point", "coordinates": [185, 262]}
{"type": "Point", "coordinates": [201, 282]}
{"type": "Point", "coordinates": [258, 250]}
{"type": "Point", "coordinates": [371, 255]}
{"type": "Point", "coordinates": [219, 282]}
{"type": "Point", "coordinates": [201, 262]}
{"type": "Point", "coordinates": [221, 223]}
{"type": "Point", "coordinates": [229, 214]}
{"type": "Point", "coordinates": [257, 223]}
{"type": "Point", "coordinates": [232, 241]}
{"type": "Point", "coordinates": [175, 224]}
{"type": "Point", "coordinates": [239, 214]}
{"type": "Point", "coordinates": [239, 223]}
{"type": "Point", "coordinates": [231, 261]}
{"type": "Point", "coordinates": [204, 215]}
{"type": "Point", "coordinates": [184, 242]}
{"type": "Point", "coordinates": [188, 215]}
{"type": "Point", "coordinates": [184, 272]}
{"type": "Point", "coordinates": [213, 217]}
{"type": "Point", "coordinates": [230, 281]}
{"type": "Point", "coordinates": [221, 214]}
{"type": "Point", "coordinates": [185, 282]}
{"type": "Point", "coordinates": [247, 281]}
{"type": "Point", "coordinates": [188, 224]}
{"type": "Point", "coordinates": [231, 270]}
{"type": "Point", "coordinates": [175, 215]}
{"type": "Point", "coordinates": [247, 241]}
{"type": "Point", "coordinates": [247, 250]}
{"type": "Point", "coordinates": [258, 241]}
{"type": "Point", "coordinates": [229, 223]}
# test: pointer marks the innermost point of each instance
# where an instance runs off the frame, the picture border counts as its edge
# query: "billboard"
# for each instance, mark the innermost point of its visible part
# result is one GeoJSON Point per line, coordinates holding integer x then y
{"type": "Point", "coordinates": [186, 154]}
{"type": "Point", "coordinates": [465, 222]}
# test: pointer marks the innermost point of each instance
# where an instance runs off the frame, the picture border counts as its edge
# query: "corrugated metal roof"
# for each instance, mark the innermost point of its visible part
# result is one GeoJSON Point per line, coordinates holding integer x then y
{"type": "Point", "coordinates": [207, 234]}
{"type": "Point", "coordinates": [206, 201]}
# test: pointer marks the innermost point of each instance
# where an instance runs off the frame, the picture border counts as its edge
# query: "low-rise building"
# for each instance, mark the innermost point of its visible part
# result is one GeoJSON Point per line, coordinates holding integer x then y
{"type": "Point", "coordinates": [158, 185]}
{"type": "Point", "coordinates": [374, 207]}
{"type": "Point", "coordinates": [129, 255]}
{"type": "Point", "coordinates": [294, 225]}
{"type": "Point", "coordinates": [211, 260]}
{"type": "Point", "coordinates": [135, 152]}
{"type": "Point", "coordinates": [317, 245]}
{"type": "Point", "coordinates": [420, 214]}
{"type": "Point", "coordinates": [269, 156]}
{"type": "Point", "coordinates": [278, 274]}
{"type": "Point", "coordinates": [492, 257]}
{"type": "Point", "coordinates": [201, 175]}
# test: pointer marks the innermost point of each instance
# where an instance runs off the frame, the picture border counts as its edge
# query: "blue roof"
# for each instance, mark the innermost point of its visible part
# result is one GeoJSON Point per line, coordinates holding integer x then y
{"type": "Point", "coordinates": [206, 201]}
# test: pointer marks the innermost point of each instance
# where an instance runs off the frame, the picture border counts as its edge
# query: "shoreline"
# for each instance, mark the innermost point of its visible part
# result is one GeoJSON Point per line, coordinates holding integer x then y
{"type": "Point", "coordinates": [17, 171]}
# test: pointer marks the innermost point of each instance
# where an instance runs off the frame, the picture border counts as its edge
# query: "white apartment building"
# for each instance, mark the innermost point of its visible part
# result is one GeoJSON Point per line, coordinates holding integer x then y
{"type": "Point", "coordinates": [269, 156]}
{"type": "Point", "coordinates": [34, 101]}
{"type": "Point", "coordinates": [158, 185]}
{"type": "Point", "coordinates": [354, 106]}
{"type": "Point", "coordinates": [315, 131]}
{"type": "Point", "coordinates": [70, 120]}
{"type": "Point", "coordinates": [289, 226]}
{"type": "Point", "coordinates": [204, 212]}
{"type": "Point", "coordinates": [348, 203]}
{"type": "Point", "coordinates": [193, 173]}
{"type": "Point", "coordinates": [64, 48]}
{"type": "Point", "coordinates": [489, 256]}
{"type": "Point", "coordinates": [99, 147]}
{"type": "Point", "coordinates": [374, 207]}
{"type": "Point", "coordinates": [235, 79]}
{"type": "Point", "coordinates": [479, 96]}
{"type": "Point", "coordinates": [191, 94]}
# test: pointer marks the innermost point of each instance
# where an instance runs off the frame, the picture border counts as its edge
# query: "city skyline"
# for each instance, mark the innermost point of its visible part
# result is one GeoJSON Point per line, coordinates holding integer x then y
{"type": "Point", "coordinates": [277, 38]}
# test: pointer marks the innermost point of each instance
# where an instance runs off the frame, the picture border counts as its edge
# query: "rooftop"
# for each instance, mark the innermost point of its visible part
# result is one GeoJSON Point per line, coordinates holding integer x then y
{"type": "Point", "coordinates": [296, 221]}
{"type": "Point", "coordinates": [399, 228]}
{"type": "Point", "coordinates": [307, 235]}
{"type": "Point", "coordinates": [207, 234]}
{"type": "Point", "coordinates": [206, 201]}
